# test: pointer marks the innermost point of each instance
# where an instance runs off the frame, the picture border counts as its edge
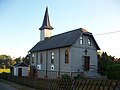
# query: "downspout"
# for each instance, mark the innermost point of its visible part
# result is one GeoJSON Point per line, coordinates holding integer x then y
{"type": "Point", "coordinates": [59, 65]}
{"type": "Point", "coordinates": [70, 61]}
{"type": "Point", "coordinates": [36, 64]}
{"type": "Point", "coordinates": [46, 74]}
{"type": "Point", "coordinates": [36, 59]}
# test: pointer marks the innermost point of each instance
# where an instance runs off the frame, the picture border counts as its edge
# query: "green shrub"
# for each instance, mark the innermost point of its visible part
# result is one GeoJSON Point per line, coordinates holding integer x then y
{"type": "Point", "coordinates": [113, 71]}
{"type": "Point", "coordinates": [78, 77]}
{"type": "Point", "coordinates": [65, 76]}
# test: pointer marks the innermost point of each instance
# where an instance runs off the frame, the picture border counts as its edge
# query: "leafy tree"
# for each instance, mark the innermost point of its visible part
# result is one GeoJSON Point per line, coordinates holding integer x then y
{"type": "Point", "coordinates": [13, 62]}
{"type": "Point", "coordinates": [25, 60]}
{"type": "Point", "coordinates": [22, 59]}
{"type": "Point", "coordinates": [103, 61]}
{"type": "Point", "coordinates": [5, 61]}
{"type": "Point", "coordinates": [5, 57]}
{"type": "Point", "coordinates": [18, 60]}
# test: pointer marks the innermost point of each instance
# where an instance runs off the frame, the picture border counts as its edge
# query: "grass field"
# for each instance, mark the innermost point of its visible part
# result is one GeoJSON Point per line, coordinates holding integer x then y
{"type": "Point", "coordinates": [5, 70]}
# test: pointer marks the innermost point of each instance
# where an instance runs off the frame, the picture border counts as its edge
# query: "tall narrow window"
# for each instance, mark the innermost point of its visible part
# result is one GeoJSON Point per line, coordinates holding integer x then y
{"type": "Point", "coordinates": [52, 57]}
{"type": "Point", "coordinates": [89, 41]}
{"type": "Point", "coordinates": [81, 40]}
{"type": "Point", "coordinates": [33, 58]}
{"type": "Point", "coordinates": [66, 56]}
{"type": "Point", "coordinates": [41, 58]}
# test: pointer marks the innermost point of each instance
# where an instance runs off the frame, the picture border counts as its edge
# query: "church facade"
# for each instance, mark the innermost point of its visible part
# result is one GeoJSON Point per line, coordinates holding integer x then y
{"type": "Point", "coordinates": [73, 52]}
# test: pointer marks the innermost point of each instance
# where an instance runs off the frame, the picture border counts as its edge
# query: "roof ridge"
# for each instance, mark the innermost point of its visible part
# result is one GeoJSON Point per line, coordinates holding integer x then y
{"type": "Point", "coordinates": [66, 32]}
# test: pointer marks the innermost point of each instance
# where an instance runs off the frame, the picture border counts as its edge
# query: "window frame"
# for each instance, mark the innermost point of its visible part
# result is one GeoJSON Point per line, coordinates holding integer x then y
{"type": "Point", "coordinates": [66, 56]}
{"type": "Point", "coordinates": [33, 58]}
{"type": "Point", "coordinates": [52, 57]}
{"type": "Point", "coordinates": [41, 58]}
{"type": "Point", "coordinates": [81, 40]}
{"type": "Point", "coordinates": [89, 41]}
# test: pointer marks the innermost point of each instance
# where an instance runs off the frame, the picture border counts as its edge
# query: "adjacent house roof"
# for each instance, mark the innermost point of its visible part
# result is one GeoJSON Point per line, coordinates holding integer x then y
{"type": "Point", "coordinates": [46, 22]}
{"type": "Point", "coordinates": [21, 64]}
{"type": "Point", "coordinates": [62, 40]}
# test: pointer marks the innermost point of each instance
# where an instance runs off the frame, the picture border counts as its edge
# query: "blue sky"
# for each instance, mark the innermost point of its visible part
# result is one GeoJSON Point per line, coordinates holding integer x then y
{"type": "Point", "coordinates": [20, 21]}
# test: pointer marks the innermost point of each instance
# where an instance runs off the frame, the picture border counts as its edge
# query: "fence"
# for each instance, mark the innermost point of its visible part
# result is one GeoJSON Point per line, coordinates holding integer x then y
{"type": "Point", "coordinates": [62, 84]}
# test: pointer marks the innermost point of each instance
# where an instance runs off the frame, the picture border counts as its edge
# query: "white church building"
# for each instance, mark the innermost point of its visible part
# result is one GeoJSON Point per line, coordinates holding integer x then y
{"type": "Point", "coordinates": [73, 52]}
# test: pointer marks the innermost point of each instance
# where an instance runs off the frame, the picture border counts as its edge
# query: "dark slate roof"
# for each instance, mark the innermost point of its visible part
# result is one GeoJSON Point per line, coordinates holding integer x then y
{"type": "Point", "coordinates": [46, 22]}
{"type": "Point", "coordinates": [20, 64]}
{"type": "Point", "coordinates": [61, 40]}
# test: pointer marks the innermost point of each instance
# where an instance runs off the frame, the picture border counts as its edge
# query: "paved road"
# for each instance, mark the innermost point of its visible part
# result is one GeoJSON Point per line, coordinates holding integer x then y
{"type": "Point", "coordinates": [4, 86]}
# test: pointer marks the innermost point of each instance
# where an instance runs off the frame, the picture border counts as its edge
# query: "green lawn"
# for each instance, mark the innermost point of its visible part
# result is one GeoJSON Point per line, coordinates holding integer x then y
{"type": "Point", "coordinates": [5, 70]}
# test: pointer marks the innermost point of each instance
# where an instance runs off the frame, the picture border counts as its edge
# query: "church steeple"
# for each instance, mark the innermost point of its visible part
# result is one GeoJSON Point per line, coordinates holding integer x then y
{"type": "Point", "coordinates": [46, 22]}
{"type": "Point", "coordinates": [46, 28]}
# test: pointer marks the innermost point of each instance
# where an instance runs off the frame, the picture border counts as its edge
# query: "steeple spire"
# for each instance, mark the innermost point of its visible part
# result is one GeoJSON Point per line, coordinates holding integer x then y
{"type": "Point", "coordinates": [46, 22]}
{"type": "Point", "coordinates": [46, 28]}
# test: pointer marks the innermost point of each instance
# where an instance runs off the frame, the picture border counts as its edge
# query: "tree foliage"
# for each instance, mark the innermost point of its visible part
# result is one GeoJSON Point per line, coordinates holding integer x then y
{"type": "Point", "coordinates": [18, 60]}
{"type": "Point", "coordinates": [104, 60]}
{"type": "Point", "coordinates": [4, 57]}
{"type": "Point", "coordinates": [26, 60]}
{"type": "Point", "coordinates": [5, 61]}
{"type": "Point", "coordinates": [113, 71]}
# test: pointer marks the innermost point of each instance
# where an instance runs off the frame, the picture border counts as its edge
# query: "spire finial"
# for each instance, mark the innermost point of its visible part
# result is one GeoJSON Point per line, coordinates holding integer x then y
{"type": "Point", "coordinates": [46, 22]}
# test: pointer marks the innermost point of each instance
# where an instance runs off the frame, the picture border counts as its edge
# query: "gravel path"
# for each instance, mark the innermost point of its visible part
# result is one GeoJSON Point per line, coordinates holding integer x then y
{"type": "Point", "coordinates": [4, 86]}
{"type": "Point", "coordinates": [7, 85]}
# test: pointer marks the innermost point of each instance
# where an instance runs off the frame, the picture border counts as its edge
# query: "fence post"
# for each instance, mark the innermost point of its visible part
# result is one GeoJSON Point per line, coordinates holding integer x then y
{"type": "Point", "coordinates": [34, 82]}
{"type": "Point", "coordinates": [116, 85]}
{"type": "Point", "coordinates": [73, 84]}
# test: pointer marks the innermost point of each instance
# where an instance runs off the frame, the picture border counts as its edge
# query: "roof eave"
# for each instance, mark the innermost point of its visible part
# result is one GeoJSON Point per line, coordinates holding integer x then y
{"type": "Point", "coordinates": [50, 48]}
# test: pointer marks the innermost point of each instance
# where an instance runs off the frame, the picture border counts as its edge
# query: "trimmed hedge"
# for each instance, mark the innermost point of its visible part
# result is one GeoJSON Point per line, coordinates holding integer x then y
{"type": "Point", "coordinates": [113, 71]}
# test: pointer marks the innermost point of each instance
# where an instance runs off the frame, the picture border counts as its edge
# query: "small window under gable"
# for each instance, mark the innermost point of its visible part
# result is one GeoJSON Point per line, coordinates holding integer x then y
{"type": "Point", "coordinates": [33, 57]}
{"type": "Point", "coordinates": [66, 56]}
{"type": "Point", "coordinates": [89, 41]}
{"type": "Point", "coordinates": [52, 57]}
{"type": "Point", "coordinates": [81, 40]}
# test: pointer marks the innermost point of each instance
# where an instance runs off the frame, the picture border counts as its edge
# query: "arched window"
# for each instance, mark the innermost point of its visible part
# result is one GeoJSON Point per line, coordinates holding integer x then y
{"type": "Point", "coordinates": [66, 56]}
{"type": "Point", "coordinates": [81, 40]}
{"type": "Point", "coordinates": [89, 41]}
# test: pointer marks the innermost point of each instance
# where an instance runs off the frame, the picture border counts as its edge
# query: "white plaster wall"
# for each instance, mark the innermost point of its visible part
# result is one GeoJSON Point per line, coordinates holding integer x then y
{"type": "Point", "coordinates": [15, 71]}
{"type": "Point", "coordinates": [64, 67]}
{"type": "Point", "coordinates": [35, 54]}
{"type": "Point", "coordinates": [76, 59]}
{"type": "Point", "coordinates": [42, 35]}
{"type": "Point", "coordinates": [24, 71]}
{"type": "Point", "coordinates": [47, 33]}
{"type": "Point", "coordinates": [78, 52]}
{"type": "Point", "coordinates": [85, 44]}
{"type": "Point", "coordinates": [39, 57]}
{"type": "Point", "coordinates": [55, 59]}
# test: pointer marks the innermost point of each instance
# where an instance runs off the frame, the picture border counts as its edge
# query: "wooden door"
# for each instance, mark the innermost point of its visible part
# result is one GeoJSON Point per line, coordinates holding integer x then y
{"type": "Point", "coordinates": [86, 63]}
